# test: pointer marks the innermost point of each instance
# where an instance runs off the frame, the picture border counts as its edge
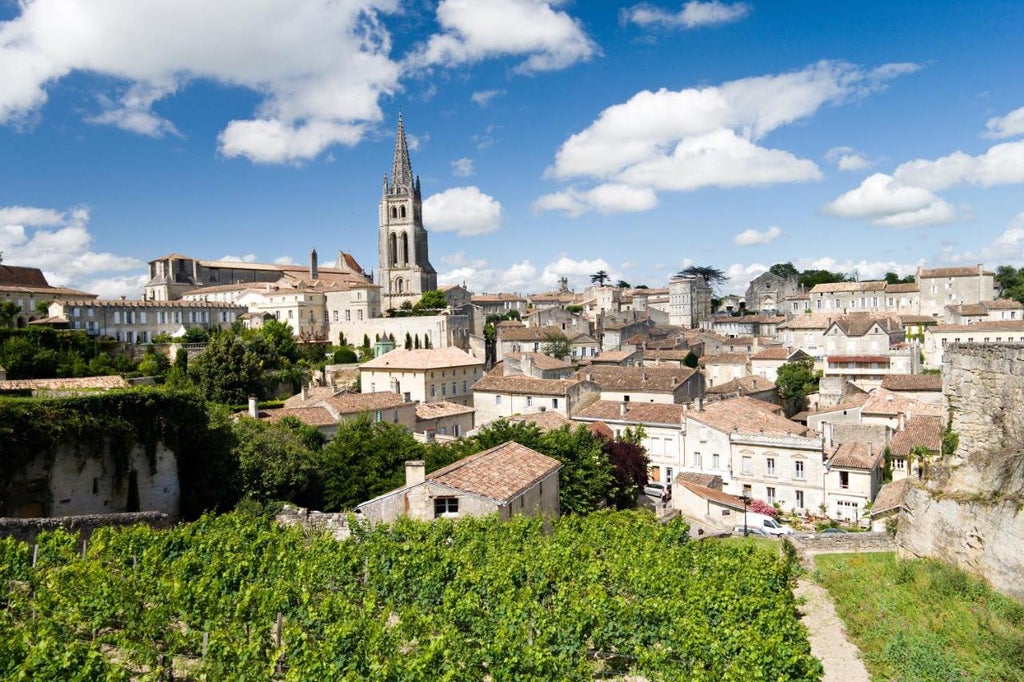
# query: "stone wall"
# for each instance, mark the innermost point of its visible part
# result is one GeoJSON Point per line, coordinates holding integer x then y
{"type": "Point", "coordinates": [845, 542]}
{"type": "Point", "coordinates": [27, 530]}
{"type": "Point", "coordinates": [970, 510]}
{"type": "Point", "coordinates": [315, 521]}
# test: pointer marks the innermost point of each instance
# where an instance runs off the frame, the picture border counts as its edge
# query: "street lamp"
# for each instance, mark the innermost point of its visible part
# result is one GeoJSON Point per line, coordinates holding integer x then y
{"type": "Point", "coordinates": [745, 499]}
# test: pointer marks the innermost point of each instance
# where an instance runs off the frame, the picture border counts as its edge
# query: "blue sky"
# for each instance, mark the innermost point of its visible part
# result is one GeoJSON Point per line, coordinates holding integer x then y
{"type": "Point", "coordinates": [552, 138]}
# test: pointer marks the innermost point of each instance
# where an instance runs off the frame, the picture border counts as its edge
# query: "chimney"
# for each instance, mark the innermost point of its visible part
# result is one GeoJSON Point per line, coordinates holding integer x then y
{"type": "Point", "coordinates": [888, 396]}
{"type": "Point", "coordinates": [903, 422]}
{"type": "Point", "coordinates": [623, 408]}
{"type": "Point", "coordinates": [415, 472]}
{"type": "Point", "coordinates": [700, 404]}
{"type": "Point", "coordinates": [394, 385]}
{"type": "Point", "coordinates": [254, 410]}
{"type": "Point", "coordinates": [590, 376]}
{"type": "Point", "coordinates": [305, 393]}
{"type": "Point", "coordinates": [643, 376]}
{"type": "Point", "coordinates": [314, 271]}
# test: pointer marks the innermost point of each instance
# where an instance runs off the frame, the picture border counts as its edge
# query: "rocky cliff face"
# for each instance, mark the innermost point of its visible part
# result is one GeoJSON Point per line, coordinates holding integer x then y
{"type": "Point", "coordinates": [970, 511]}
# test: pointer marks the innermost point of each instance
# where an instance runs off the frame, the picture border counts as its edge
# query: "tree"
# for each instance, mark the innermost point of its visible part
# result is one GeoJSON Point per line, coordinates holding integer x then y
{"type": "Point", "coordinates": [784, 270]}
{"type": "Point", "coordinates": [599, 278]}
{"type": "Point", "coordinates": [691, 360]}
{"type": "Point", "coordinates": [629, 462]}
{"type": "Point", "coordinates": [416, 342]}
{"type": "Point", "coordinates": [795, 381]}
{"type": "Point", "coordinates": [366, 341]}
{"type": "Point", "coordinates": [809, 278]}
{"type": "Point", "coordinates": [408, 341]}
{"type": "Point", "coordinates": [8, 310]}
{"type": "Point", "coordinates": [278, 461]}
{"type": "Point", "coordinates": [622, 284]}
{"type": "Point", "coordinates": [196, 335]}
{"type": "Point", "coordinates": [894, 278]}
{"type": "Point", "coordinates": [43, 307]}
{"type": "Point", "coordinates": [556, 345]}
{"type": "Point", "coordinates": [232, 368]}
{"type": "Point", "coordinates": [713, 276]}
{"type": "Point", "coordinates": [432, 300]}
{"type": "Point", "coordinates": [1011, 282]}
{"type": "Point", "coordinates": [281, 338]}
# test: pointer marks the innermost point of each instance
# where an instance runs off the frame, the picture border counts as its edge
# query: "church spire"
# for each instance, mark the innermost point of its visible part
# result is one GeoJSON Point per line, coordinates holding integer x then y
{"type": "Point", "coordinates": [401, 168]}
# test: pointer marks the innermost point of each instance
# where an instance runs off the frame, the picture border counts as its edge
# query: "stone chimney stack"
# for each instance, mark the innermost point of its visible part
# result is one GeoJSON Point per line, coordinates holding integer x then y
{"type": "Point", "coordinates": [305, 393]}
{"type": "Point", "coordinates": [623, 408]}
{"type": "Point", "coordinates": [314, 271]}
{"type": "Point", "coordinates": [700, 404]}
{"type": "Point", "coordinates": [254, 410]}
{"type": "Point", "coordinates": [415, 472]}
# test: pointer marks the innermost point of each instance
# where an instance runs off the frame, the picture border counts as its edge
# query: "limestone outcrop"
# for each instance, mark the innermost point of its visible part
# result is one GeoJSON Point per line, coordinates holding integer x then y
{"type": "Point", "coordinates": [969, 511]}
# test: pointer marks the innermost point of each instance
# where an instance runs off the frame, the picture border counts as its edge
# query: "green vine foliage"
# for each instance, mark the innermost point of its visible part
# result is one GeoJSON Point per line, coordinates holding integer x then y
{"type": "Point", "coordinates": [612, 594]}
{"type": "Point", "coordinates": [114, 422]}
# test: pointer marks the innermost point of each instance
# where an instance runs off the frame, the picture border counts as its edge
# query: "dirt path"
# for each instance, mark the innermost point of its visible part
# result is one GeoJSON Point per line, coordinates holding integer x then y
{"type": "Point", "coordinates": [839, 656]}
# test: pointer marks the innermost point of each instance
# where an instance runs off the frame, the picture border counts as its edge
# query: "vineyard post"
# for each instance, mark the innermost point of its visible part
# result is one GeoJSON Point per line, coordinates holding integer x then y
{"type": "Point", "coordinates": [206, 641]}
{"type": "Point", "coordinates": [35, 553]}
{"type": "Point", "coordinates": [83, 547]}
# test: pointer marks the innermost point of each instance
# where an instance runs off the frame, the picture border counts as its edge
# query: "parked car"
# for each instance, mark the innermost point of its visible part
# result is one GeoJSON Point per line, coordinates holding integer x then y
{"type": "Point", "coordinates": [654, 489]}
{"type": "Point", "coordinates": [752, 530]}
{"type": "Point", "coordinates": [768, 524]}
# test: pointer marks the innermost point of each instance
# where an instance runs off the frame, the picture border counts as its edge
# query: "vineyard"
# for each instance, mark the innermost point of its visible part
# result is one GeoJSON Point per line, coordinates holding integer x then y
{"type": "Point", "coordinates": [237, 598]}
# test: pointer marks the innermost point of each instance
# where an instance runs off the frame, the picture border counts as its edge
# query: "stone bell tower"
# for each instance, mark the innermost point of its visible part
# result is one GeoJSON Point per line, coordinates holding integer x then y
{"type": "Point", "coordinates": [404, 271]}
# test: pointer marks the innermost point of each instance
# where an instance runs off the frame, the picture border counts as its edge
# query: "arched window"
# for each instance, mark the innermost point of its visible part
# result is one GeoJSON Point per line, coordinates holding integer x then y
{"type": "Point", "coordinates": [393, 249]}
{"type": "Point", "coordinates": [398, 286]}
{"type": "Point", "coordinates": [405, 248]}
{"type": "Point", "coordinates": [394, 212]}
{"type": "Point", "coordinates": [401, 211]}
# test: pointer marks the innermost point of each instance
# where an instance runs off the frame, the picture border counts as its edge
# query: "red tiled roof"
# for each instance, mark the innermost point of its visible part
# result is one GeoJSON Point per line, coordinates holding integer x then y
{"type": "Point", "coordinates": [746, 415]}
{"type": "Point", "coordinates": [856, 456]}
{"type": "Point", "coordinates": [890, 496]}
{"type": "Point", "coordinates": [500, 473]}
{"type": "Point", "coordinates": [858, 359]}
{"type": "Point", "coordinates": [950, 272]}
{"type": "Point", "coordinates": [423, 359]}
{"type": "Point", "coordinates": [714, 495]}
{"type": "Point", "coordinates": [912, 382]}
{"type": "Point", "coordinates": [636, 412]}
{"type": "Point", "coordinates": [545, 421]}
{"type": "Point", "coordinates": [312, 416]}
{"type": "Point", "coordinates": [437, 410]}
{"type": "Point", "coordinates": [26, 277]}
{"type": "Point", "coordinates": [920, 430]}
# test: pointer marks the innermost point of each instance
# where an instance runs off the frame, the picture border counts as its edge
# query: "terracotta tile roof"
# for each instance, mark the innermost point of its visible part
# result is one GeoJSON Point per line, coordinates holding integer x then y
{"type": "Point", "coordinates": [105, 383]}
{"type": "Point", "coordinates": [717, 496]}
{"type": "Point", "coordinates": [912, 382]}
{"type": "Point", "coordinates": [890, 496]}
{"type": "Point", "coordinates": [920, 430]}
{"type": "Point", "coordinates": [773, 353]}
{"type": "Point", "coordinates": [441, 409]}
{"type": "Point", "coordinates": [725, 359]}
{"type": "Point", "coordinates": [653, 379]}
{"type": "Point", "coordinates": [497, 298]}
{"type": "Point", "coordinates": [808, 321]}
{"type": "Point", "coordinates": [25, 277]}
{"type": "Point", "coordinates": [312, 416]}
{"type": "Point", "coordinates": [915, 319]}
{"type": "Point", "coordinates": [423, 359]}
{"type": "Point", "coordinates": [903, 288]}
{"type": "Point", "coordinates": [545, 421]}
{"type": "Point", "coordinates": [859, 324]}
{"type": "Point", "coordinates": [674, 355]}
{"type": "Point", "coordinates": [746, 415]}
{"type": "Point", "coordinates": [49, 292]}
{"type": "Point", "coordinates": [636, 412]}
{"type": "Point", "coordinates": [601, 430]}
{"type": "Point", "coordinates": [835, 287]}
{"type": "Point", "coordinates": [582, 338]}
{"type": "Point", "coordinates": [985, 326]}
{"type": "Point", "coordinates": [859, 359]}
{"type": "Point", "coordinates": [540, 361]}
{"type": "Point", "coordinates": [613, 356]}
{"type": "Point", "coordinates": [521, 384]}
{"type": "Point", "coordinates": [1003, 304]}
{"type": "Point", "coordinates": [357, 403]}
{"type": "Point", "coordinates": [951, 272]}
{"type": "Point", "coordinates": [750, 319]}
{"type": "Point", "coordinates": [706, 480]}
{"type": "Point", "coordinates": [501, 473]}
{"type": "Point", "coordinates": [856, 456]}
{"type": "Point", "coordinates": [155, 305]}
{"type": "Point", "coordinates": [743, 386]}
{"type": "Point", "coordinates": [532, 334]}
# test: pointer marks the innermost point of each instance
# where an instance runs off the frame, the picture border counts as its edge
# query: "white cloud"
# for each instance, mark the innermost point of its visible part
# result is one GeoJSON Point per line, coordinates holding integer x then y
{"type": "Point", "coordinates": [464, 210]}
{"type": "Point", "coordinates": [752, 236]}
{"type": "Point", "coordinates": [320, 71]}
{"type": "Point", "coordinates": [862, 269]}
{"type": "Point", "coordinates": [1010, 125]}
{"type": "Point", "coordinates": [847, 159]}
{"type": "Point", "coordinates": [1006, 249]}
{"type": "Point", "coordinates": [885, 200]}
{"type": "Point", "coordinates": [1002, 164]}
{"type": "Point", "coordinates": [525, 277]}
{"type": "Point", "coordinates": [694, 14]}
{"type": "Point", "coordinates": [247, 258]}
{"type": "Point", "coordinates": [706, 137]}
{"type": "Point", "coordinates": [284, 260]}
{"type": "Point", "coordinates": [607, 199]}
{"type": "Point", "coordinates": [484, 97]}
{"type": "Point", "coordinates": [59, 244]}
{"type": "Point", "coordinates": [474, 30]}
{"type": "Point", "coordinates": [459, 259]}
{"type": "Point", "coordinates": [463, 167]}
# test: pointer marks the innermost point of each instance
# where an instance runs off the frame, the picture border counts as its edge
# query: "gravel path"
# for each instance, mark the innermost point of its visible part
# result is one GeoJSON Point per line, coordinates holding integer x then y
{"type": "Point", "coordinates": [839, 656]}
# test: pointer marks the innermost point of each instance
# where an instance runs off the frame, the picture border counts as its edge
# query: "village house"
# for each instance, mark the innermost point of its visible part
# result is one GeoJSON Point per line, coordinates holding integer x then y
{"type": "Point", "coordinates": [619, 358]}
{"type": "Point", "coordinates": [689, 301]}
{"type": "Point", "coordinates": [669, 358]}
{"type": "Point", "coordinates": [524, 339]}
{"type": "Point", "coordinates": [724, 367]}
{"type": "Point", "coordinates": [938, 336]}
{"type": "Point", "coordinates": [941, 287]}
{"type": "Point", "coordinates": [756, 451]}
{"type": "Point", "coordinates": [921, 432]}
{"type": "Point", "coordinates": [325, 407]}
{"type": "Point", "coordinates": [754, 387]}
{"type": "Point", "coordinates": [27, 288]}
{"type": "Point", "coordinates": [444, 420]}
{"type": "Point", "coordinates": [707, 504]}
{"type": "Point", "coordinates": [661, 423]}
{"type": "Point", "coordinates": [766, 362]}
{"type": "Point", "coordinates": [767, 291]}
{"type": "Point", "coordinates": [615, 329]}
{"type": "Point", "coordinates": [583, 346]}
{"type": "Point", "coordinates": [745, 325]}
{"type": "Point", "coordinates": [424, 375]}
{"type": "Point", "coordinates": [499, 304]}
{"type": "Point", "coordinates": [570, 323]}
{"type": "Point", "coordinates": [506, 480]}
{"type": "Point", "coordinates": [1001, 309]}
{"type": "Point", "coordinates": [133, 321]}
{"type": "Point", "coordinates": [924, 387]}
{"type": "Point", "coordinates": [498, 396]}
{"type": "Point", "coordinates": [645, 384]}
{"type": "Point", "coordinates": [806, 332]}
{"type": "Point", "coordinates": [536, 365]}
{"type": "Point", "coordinates": [853, 475]}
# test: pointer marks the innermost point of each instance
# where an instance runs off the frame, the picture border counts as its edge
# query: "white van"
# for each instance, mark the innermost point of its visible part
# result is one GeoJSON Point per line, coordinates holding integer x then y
{"type": "Point", "coordinates": [767, 524]}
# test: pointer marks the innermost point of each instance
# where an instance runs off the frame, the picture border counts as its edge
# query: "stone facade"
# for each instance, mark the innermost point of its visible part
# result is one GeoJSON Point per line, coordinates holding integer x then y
{"type": "Point", "coordinates": [968, 510]}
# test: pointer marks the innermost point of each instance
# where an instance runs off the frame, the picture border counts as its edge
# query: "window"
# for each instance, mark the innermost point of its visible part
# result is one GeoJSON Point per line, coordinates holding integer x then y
{"type": "Point", "coordinates": [463, 383]}
{"type": "Point", "coordinates": [432, 394]}
{"type": "Point", "coordinates": [348, 315]}
{"type": "Point", "coordinates": [844, 479]}
{"type": "Point", "coordinates": [446, 506]}
{"type": "Point", "coordinates": [453, 388]}
{"type": "Point", "coordinates": [769, 466]}
{"type": "Point", "coordinates": [444, 390]}
{"type": "Point", "coordinates": [668, 475]}
{"type": "Point", "coordinates": [529, 401]}
{"type": "Point", "coordinates": [799, 499]}
{"type": "Point", "coordinates": [695, 460]}
{"type": "Point", "coordinates": [716, 461]}
{"type": "Point", "coordinates": [497, 400]}
{"type": "Point", "coordinates": [554, 403]}
{"type": "Point", "coordinates": [378, 416]}
{"type": "Point", "coordinates": [770, 495]}
{"type": "Point", "coordinates": [407, 396]}
{"type": "Point", "coordinates": [746, 465]}
{"type": "Point", "coordinates": [798, 471]}
{"type": "Point", "coordinates": [360, 314]}
{"type": "Point", "coordinates": [703, 435]}
{"type": "Point", "coordinates": [335, 315]}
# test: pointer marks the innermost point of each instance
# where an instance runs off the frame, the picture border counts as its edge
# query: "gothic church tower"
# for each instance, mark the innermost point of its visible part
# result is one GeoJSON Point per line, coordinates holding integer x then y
{"type": "Point", "coordinates": [405, 272]}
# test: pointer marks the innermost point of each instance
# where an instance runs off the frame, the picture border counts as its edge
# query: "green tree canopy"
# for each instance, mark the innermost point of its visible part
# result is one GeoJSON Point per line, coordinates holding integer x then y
{"type": "Point", "coordinates": [556, 345]}
{"type": "Point", "coordinates": [809, 278]}
{"type": "Point", "coordinates": [432, 300]}
{"type": "Point", "coordinates": [622, 284]}
{"type": "Point", "coordinates": [714, 276]}
{"type": "Point", "coordinates": [894, 278]}
{"type": "Point", "coordinates": [784, 270]}
{"type": "Point", "coordinates": [1011, 282]}
{"type": "Point", "coordinates": [599, 278]}
{"type": "Point", "coordinates": [795, 381]}
{"type": "Point", "coordinates": [8, 311]}
{"type": "Point", "coordinates": [233, 367]}
{"type": "Point", "coordinates": [278, 461]}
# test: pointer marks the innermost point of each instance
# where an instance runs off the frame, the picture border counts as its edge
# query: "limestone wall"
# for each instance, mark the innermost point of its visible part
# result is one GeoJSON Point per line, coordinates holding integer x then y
{"type": "Point", "coordinates": [26, 530]}
{"type": "Point", "coordinates": [970, 510]}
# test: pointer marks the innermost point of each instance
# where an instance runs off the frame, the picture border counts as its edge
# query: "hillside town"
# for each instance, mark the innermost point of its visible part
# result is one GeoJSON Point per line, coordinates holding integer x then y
{"type": "Point", "coordinates": [817, 399]}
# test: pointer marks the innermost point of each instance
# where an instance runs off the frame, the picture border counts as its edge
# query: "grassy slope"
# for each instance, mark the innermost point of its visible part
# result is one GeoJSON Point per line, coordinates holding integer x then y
{"type": "Point", "coordinates": [922, 620]}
